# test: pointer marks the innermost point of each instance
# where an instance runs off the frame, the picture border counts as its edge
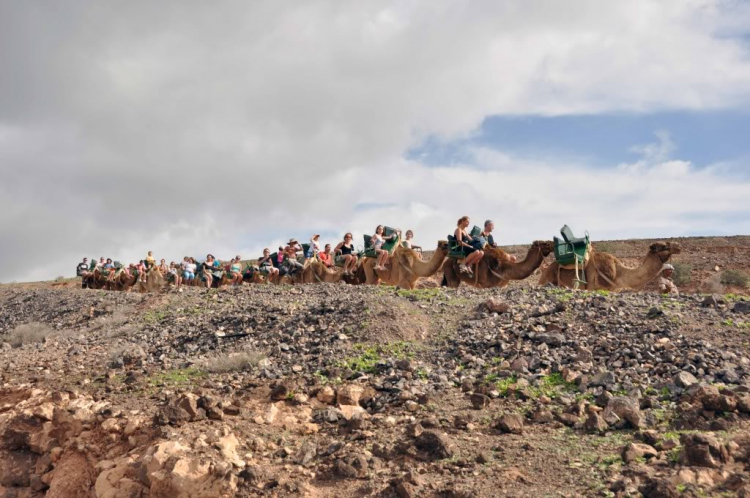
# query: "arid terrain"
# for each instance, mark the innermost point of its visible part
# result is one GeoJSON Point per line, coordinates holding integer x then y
{"type": "Point", "coordinates": [337, 390]}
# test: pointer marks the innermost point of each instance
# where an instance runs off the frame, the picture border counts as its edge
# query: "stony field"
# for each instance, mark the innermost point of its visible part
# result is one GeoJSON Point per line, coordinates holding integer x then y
{"type": "Point", "coordinates": [336, 390]}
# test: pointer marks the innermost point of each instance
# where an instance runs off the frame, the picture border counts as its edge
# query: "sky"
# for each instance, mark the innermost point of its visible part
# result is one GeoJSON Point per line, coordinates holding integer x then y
{"type": "Point", "coordinates": [189, 127]}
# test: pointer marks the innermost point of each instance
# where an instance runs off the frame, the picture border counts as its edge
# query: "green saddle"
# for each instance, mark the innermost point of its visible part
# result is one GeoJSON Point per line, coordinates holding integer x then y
{"type": "Point", "coordinates": [456, 250]}
{"type": "Point", "coordinates": [571, 249]}
{"type": "Point", "coordinates": [388, 245]}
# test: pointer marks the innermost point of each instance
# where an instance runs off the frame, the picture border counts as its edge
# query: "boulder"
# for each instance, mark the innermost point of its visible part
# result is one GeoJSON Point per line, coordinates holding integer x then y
{"type": "Point", "coordinates": [510, 423]}
{"type": "Point", "coordinates": [326, 395]}
{"type": "Point", "coordinates": [437, 444]}
{"type": "Point", "coordinates": [702, 450]}
{"type": "Point", "coordinates": [626, 408]}
{"type": "Point", "coordinates": [684, 379]}
{"type": "Point", "coordinates": [349, 394]}
{"type": "Point", "coordinates": [634, 451]}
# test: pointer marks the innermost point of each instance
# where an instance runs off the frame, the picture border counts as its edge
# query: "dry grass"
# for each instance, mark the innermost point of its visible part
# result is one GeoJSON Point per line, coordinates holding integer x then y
{"type": "Point", "coordinates": [734, 277]}
{"type": "Point", "coordinates": [712, 285]}
{"type": "Point", "coordinates": [29, 333]}
{"type": "Point", "coordinates": [233, 362]}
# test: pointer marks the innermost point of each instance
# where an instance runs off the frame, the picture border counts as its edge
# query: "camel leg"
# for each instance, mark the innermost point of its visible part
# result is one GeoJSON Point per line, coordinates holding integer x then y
{"type": "Point", "coordinates": [549, 275]}
{"type": "Point", "coordinates": [449, 274]}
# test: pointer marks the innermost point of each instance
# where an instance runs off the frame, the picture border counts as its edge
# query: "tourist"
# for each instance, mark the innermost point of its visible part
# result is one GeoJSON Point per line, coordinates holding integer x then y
{"type": "Point", "coordinates": [326, 257]}
{"type": "Point", "coordinates": [314, 248]}
{"type": "Point", "coordinates": [486, 234]}
{"type": "Point", "coordinates": [82, 270]}
{"type": "Point", "coordinates": [265, 264]}
{"type": "Point", "coordinates": [471, 247]}
{"type": "Point", "coordinates": [150, 261]}
{"type": "Point", "coordinates": [188, 270]}
{"type": "Point", "coordinates": [290, 251]}
{"type": "Point", "coordinates": [235, 271]}
{"type": "Point", "coordinates": [377, 241]}
{"type": "Point", "coordinates": [344, 254]}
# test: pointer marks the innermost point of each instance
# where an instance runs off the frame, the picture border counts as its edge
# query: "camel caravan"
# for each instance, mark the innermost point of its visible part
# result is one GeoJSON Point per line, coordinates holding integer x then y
{"type": "Point", "coordinates": [466, 257]}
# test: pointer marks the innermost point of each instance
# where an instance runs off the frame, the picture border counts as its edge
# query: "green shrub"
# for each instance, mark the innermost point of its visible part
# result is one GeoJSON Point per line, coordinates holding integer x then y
{"type": "Point", "coordinates": [734, 277]}
{"type": "Point", "coordinates": [681, 274]}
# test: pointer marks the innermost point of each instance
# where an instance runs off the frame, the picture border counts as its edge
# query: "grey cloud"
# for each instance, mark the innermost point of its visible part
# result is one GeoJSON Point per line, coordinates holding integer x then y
{"type": "Point", "coordinates": [194, 126]}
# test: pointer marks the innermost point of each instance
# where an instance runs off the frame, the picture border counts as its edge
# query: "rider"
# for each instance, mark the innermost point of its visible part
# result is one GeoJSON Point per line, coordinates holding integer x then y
{"type": "Point", "coordinates": [290, 251]}
{"type": "Point", "coordinates": [407, 242]}
{"type": "Point", "coordinates": [471, 247]}
{"type": "Point", "coordinates": [314, 246]}
{"type": "Point", "coordinates": [208, 267]}
{"type": "Point", "coordinates": [150, 261]}
{"type": "Point", "coordinates": [188, 269]}
{"type": "Point", "coordinates": [345, 256]}
{"type": "Point", "coordinates": [377, 242]}
{"type": "Point", "coordinates": [265, 264]}
{"type": "Point", "coordinates": [325, 257]}
{"type": "Point", "coordinates": [82, 270]}
{"type": "Point", "coordinates": [489, 226]}
{"type": "Point", "coordinates": [235, 270]}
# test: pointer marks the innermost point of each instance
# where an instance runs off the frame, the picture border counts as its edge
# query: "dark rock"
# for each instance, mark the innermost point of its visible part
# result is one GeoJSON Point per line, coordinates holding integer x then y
{"type": "Point", "coordinates": [634, 451]}
{"type": "Point", "coordinates": [171, 415]}
{"type": "Point", "coordinates": [684, 379]}
{"type": "Point", "coordinates": [626, 408]}
{"type": "Point", "coordinates": [510, 423]}
{"type": "Point", "coordinates": [603, 379]}
{"type": "Point", "coordinates": [16, 467]}
{"type": "Point", "coordinates": [702, 450]}
{"type": "Point", "coordinates": [479, 401]}
{"type": "Point", "coordinates": [741, 307]}
{"type": "Point", "coordinates": [437, 444]}
{"type": "Point", "coordinates": [658, 488]}
{"type": "Point", "coordinates": [279, 393]}
{"type": "Point", "coordinates": [595, 423]}
{"type": "Point", "coordinates": [305, 454]}
{"type": "Point", "coordinates": [343, 469]}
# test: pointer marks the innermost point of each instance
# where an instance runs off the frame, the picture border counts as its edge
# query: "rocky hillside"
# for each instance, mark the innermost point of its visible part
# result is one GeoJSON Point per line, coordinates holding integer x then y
{"type": "Point", "coordinates": [336, 390]}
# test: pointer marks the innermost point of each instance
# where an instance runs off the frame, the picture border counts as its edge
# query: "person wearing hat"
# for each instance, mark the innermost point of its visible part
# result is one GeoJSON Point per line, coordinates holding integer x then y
{"type": "Point", "coordinates": [290, 253]}
{"type": "Point", "coordinates": [486, 234]}
{"type": "Point", "coordinates": [314, 246]}
{"type": "Point", "coordinates": [666, 285]}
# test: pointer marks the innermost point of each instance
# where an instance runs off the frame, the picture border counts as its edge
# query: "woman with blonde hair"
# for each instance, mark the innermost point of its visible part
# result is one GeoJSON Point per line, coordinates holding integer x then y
{"type": "Point", "coordinates": [473, 253]}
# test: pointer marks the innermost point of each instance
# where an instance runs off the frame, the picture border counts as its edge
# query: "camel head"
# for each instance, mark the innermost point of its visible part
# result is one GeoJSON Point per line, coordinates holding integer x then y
{"type": "Point", "coordinates": [546, 246]}
{"type": "Point", "coordinates": [664, 250]}
{"type": "Point", "coordinates": [442, 246]}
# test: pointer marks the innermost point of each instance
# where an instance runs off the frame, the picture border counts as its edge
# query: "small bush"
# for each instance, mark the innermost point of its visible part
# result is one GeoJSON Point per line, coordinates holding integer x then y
{"type": "Point", "coordinates": [28, 333]}
{"type": "Point", "coordinates": [233, 362]}
{"type": "Point", "coordinates": [681, 274]}
{"type": "Point", "coordinates": [712, 285]}
{"type": "Point", "coordinates": [734, 277]}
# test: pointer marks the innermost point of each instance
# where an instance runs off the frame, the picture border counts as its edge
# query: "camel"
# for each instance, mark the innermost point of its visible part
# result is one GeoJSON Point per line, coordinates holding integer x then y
{"type": "Point", "coordinates": [405, 267]}
{"type": "Point", "coordinates": [124, 281]}
{"type": "Point", "coordinates": [155, 281]}
{"type": "Point", "coordinates": [98, 279]}
{"type": "Point", "coordinates": [496, 269]}
{"type": "Point", "coordinates": [605, 272]}
{"type": "Point", "coordinates": [314, 272]}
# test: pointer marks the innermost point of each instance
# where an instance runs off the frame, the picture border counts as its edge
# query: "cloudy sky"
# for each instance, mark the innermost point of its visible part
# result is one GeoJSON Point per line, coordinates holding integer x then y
{"type": "Point", "coordinates": [189, 127]}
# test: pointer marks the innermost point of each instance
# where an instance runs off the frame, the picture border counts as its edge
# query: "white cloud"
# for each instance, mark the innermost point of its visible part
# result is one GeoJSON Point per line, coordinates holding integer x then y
{"type": "Point", "coordinates": [223, 127]}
